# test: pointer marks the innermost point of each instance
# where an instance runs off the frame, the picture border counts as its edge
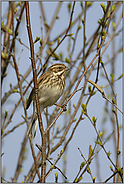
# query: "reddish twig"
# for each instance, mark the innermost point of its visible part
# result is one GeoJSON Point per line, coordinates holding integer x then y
{"type": "Point", "coordinates": [43, 170]}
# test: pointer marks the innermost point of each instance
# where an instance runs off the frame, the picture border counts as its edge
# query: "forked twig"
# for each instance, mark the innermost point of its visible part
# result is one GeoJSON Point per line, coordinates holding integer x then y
{"type": "Point", "coordinates": [103, 94]}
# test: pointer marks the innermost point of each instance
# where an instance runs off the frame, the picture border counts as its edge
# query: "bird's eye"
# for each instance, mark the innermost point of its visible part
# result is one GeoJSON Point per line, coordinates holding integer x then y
{"type": "Point", "coordinates": [60, 67]}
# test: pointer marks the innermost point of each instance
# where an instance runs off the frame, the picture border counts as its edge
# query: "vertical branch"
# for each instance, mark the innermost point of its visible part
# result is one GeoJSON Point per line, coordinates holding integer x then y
{"type": "Point", "coordinates": [4, 61]}
{"type": "Point", "coordinates": [84, 36]}
{"type": "Point", "coordinates": [43, 169]}
{"type": "Point", "coordinates": [116, 140]}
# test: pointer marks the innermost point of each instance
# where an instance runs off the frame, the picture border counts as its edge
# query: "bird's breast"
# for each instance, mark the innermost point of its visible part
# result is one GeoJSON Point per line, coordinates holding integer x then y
{"type": "Point", "coordinates": [49, 94]}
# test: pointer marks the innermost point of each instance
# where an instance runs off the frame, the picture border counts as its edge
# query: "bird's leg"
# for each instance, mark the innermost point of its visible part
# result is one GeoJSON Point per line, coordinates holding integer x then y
{"type": "Point", "coordinates": [62, 106]}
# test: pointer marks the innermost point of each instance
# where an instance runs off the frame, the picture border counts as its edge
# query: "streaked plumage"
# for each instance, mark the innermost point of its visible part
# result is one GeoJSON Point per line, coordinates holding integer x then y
{"type": "Point", "coordinates": [51, 86]}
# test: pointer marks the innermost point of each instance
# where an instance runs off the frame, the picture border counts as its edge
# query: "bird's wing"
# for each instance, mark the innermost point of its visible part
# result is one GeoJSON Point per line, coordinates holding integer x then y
{"type": "Point", "coordinates": [32, 94]}
{"type": "Point", "coordinates": [30, 99]}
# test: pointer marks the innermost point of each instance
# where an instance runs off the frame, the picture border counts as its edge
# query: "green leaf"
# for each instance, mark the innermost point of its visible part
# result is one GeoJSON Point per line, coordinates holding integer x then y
{"type": "Point", "coordinates": [76, 180]}
{"type": "Point", "coordinates": [112, 76]}
{"type": "Point", "coordinates": [88, 170]}
{"type": "Point", "coordinates": [81, 3]}
{"type": "Point", "coordinates": [71, 34]}
{"type": "Point", "coordinates": [100, 134]}
{"type": "Point", "coordinates": [103, 33]}
{"type": "Point", "coordinates": [59, 39]}
{"type": "Point", "coordinates": [23, 117]}
{"type": "Point", "coordinates": [37, 38]}
{"type": "Point", "coordinates": [109, 13]}
{"type": "Point", "coordinates": [62, 150]}
{"type": "Point", "coordinates": [45, 65]}
{"type": "Point", "coordinates": [120, 76]}
{"type": "Point", "coordinates": [51, 43]}
{"type": "Point", "coordinates": [61, 55]}
{"type": "Point", "coordinates": [56, 57]}
{"type": "Point", "coordinates": [15, 91]}
{"type": "Point", "coordinates": [72, 23]}
{"type": "Point", "coordinates": [118, 152]}
{"type": "Point", "coordinates": [109, 153]}
{"type": "Point", "coordinates": [113, 24]}
{"type": "Point", "coordinates": [82, 20]}
{"type": "Point", "coordinates": [83, 111]}
{"type": "Point", "coordinates": [9, 30]}
{"type": "Point", "coordinates": [10, 85]}
{"type": "Point", "coordinates": [89, 3]}
{"type": "Point", "coordinates": [97, 45]}
{"type": "Point", "coordinates": [2, 24]}
{"type": "Point", "coordinates": [113, 7]}
{"type": "Point", "coordinates": [41, 41]}
{"type": "Point", "coordinates": [113, 100]}
{"type": "Point", "coordinates": [94, 93]}
{"type": "Point", "coordinates": [79, 16]}
{"type": "Point", "coordinates": [106, 23]}
{"type": "Point", "coordinates": [69, 7]}
{"type": "Point", "coordinates": [6, 113]}
{"type": "Point", "coordinates": [94, 179]}
{"type": "Point", "coordinates": [111, 167]}
{"type": "Point", "coordinates": [80, 178]}
{"type": "Point", "coordinates": [100, 21]}
{"type": "Point", "coordinates": [45, 23]}
{"type": "Point", "coordinates": [84, 106]}
{"type": "Point", "coordinates": [98, 142]}
{"type": "Point", "coordinates": [120, 170]}
{"type": "Point", "coordinates": [103, 37]}
{"type": "Point", "coordinates": [82, 165]}
{"type": "Point", "coordinates": [56, 174]}
{"type": "Point", "coordinates": [67, 60]}
{"type": "Point", "coordinates": [74, 105]}
{"type": "Point", "coordinates": [52, 166]}
{"type": "Point", "coordinates": [79, 27]}
{"type": "Point", "coordinates": [15, 10]}
{"type": "Point", "coordinates": [89, 88]}
{"type": "Point", "coordinates": [17, 32]}
{"type": "Point", "coordinates": [17, 19]}
{"type": "Point", "coordinates": [19, 3]}
{"type": "Point", "coordinates": [94, 119]}
{"type": "Point", "coordinates": [103, 6]}
{"type": "Point", "coordinates": [113, 110]}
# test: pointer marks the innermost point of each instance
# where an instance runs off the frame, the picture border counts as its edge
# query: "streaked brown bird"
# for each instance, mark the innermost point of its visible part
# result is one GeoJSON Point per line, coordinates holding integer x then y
{"type": "Point", "coordinates": [51, 86]}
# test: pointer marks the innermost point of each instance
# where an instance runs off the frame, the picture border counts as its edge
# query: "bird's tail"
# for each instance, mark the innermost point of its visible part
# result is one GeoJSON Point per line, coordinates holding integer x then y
{"type": "Point", "coordinates": [32, 128]}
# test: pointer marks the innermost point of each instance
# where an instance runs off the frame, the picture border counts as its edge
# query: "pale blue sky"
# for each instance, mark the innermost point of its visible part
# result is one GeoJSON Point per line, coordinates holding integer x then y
{"type": "Point", "coordinates": [85, 134]}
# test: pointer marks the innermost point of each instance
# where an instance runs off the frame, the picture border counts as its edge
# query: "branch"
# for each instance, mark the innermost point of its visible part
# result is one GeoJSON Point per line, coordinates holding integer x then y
{"type": "Point", "coordinates": [43, 170]}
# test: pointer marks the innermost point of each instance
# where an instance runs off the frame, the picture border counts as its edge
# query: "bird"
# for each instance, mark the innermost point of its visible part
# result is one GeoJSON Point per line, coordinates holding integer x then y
{"type": "Point", "coordinates": [51, 86]}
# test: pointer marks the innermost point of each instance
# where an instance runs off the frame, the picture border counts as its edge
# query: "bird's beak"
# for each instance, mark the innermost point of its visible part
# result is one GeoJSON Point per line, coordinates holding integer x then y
{"type": "Point", "coordinates": [67, 69]}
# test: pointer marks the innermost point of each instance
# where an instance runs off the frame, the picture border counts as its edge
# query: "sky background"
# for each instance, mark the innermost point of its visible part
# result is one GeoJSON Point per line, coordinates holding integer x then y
{"type": "Point", "coordinates": [85, 134]}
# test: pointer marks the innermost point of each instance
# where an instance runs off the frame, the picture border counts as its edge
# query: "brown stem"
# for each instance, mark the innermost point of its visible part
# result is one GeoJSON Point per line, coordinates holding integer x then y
{"type": "Point", "coordinates": [43, 168]}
